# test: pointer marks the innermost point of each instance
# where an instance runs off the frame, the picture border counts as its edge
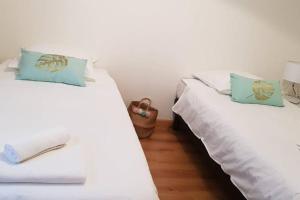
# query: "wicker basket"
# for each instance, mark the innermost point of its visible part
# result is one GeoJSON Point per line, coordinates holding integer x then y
{"type": "Point", "coordinates": [143, 117]}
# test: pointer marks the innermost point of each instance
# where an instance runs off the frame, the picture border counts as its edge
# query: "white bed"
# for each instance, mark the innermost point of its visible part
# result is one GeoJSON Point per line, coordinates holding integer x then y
{"type": "Point", "coordinates": [255, 144]}
{"type": "Point", "coordinates": [97, 118]}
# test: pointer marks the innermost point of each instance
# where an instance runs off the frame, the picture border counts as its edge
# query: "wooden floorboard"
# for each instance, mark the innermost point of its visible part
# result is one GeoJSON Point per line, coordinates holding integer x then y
{"type": "Point", "coordinates": [181, 170]}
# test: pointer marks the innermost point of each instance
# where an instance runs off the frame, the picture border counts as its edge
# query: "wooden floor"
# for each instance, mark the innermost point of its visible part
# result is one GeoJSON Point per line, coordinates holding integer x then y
{"type": "Point", "coordinates": [182, 170]}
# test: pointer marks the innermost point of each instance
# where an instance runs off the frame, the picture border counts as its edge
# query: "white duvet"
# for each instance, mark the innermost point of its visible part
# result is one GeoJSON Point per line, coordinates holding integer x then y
{"type": "Point", "coordinates": [96, 115]}
{"type": "Point", "coordinates": [255, 144]}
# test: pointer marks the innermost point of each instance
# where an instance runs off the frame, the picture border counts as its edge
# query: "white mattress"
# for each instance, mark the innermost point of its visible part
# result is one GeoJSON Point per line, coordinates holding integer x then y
{"type": "Point", "coordinates": [97, 117]}
{"type": "Point", "coordinates": [255, 144]}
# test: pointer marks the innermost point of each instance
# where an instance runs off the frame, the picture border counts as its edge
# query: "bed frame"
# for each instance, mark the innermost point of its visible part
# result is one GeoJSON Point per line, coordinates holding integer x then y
{"type": "Point", "coordinates": [229, 189]}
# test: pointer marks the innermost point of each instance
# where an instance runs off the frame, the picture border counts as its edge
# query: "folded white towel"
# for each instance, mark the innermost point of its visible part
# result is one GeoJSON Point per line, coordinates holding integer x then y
{"type": "Point", "coordinates": [27, 148]}
{"type": "Point", "coordinates": [63, 166]}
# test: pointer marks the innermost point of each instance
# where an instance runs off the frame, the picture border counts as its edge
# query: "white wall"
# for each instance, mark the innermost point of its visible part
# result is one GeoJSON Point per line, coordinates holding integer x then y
{"type": "Point", "coordinates": [147, 45]}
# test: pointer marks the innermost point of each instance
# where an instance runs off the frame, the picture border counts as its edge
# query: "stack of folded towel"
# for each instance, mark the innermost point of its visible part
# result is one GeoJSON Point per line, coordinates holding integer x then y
{"type": "Point", "coordinates": [33, 159]}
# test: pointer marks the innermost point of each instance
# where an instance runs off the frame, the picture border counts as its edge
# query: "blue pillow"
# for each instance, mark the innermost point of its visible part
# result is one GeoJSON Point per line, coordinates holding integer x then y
{"type": "Point", "coordinates": [246, 90]}
{"type": "Point", "coordinates": [37, 66]}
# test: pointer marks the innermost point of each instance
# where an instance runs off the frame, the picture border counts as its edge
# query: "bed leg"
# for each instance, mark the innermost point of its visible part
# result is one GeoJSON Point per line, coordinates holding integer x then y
{"type": "Point", "coordinates": [177, 120]}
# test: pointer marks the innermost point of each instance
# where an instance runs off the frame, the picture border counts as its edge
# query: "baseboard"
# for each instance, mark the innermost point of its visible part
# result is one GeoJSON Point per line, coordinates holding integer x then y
{"type": "Point", "coordinates": [164, 121]}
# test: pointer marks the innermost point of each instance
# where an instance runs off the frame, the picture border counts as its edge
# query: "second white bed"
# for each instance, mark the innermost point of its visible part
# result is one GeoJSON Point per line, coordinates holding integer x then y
{"type": "Point", "coordinates": [255, 144]}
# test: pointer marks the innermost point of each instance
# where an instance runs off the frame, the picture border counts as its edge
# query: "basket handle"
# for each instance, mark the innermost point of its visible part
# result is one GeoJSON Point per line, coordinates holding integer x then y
{"type": "Point", "coordinates": [145, 101]}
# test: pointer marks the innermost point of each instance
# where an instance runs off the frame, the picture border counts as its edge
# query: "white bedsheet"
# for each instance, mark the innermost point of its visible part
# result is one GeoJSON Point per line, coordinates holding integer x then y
{"type": "Point", "coordinates": [255, 144]}
{"type": "Point", "coordinates": [97, 116]}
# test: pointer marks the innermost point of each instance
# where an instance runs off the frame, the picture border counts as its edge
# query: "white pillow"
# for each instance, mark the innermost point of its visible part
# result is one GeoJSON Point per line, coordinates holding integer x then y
{"type": "Point", "coordinates": [10, 63]}
{"type": "Point", "coordinates": [220, 79]}
{"type": "Point", "coordinates": [89, 73]}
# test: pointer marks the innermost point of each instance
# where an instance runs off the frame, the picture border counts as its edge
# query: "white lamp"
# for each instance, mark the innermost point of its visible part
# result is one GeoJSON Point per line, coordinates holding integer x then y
{"type": "Point", "coordinates": [292, 74]}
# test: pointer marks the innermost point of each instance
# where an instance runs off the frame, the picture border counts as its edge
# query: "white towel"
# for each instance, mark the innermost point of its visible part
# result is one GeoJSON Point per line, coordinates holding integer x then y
{"type": "Point", "coordinates": [63, 166]}
{"type": "Point", "coordinates": [35, 145]}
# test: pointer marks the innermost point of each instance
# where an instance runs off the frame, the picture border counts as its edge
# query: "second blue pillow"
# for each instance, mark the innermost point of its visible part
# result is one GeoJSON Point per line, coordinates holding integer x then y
{"type": "Point", "coordinates": [246, 90]}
